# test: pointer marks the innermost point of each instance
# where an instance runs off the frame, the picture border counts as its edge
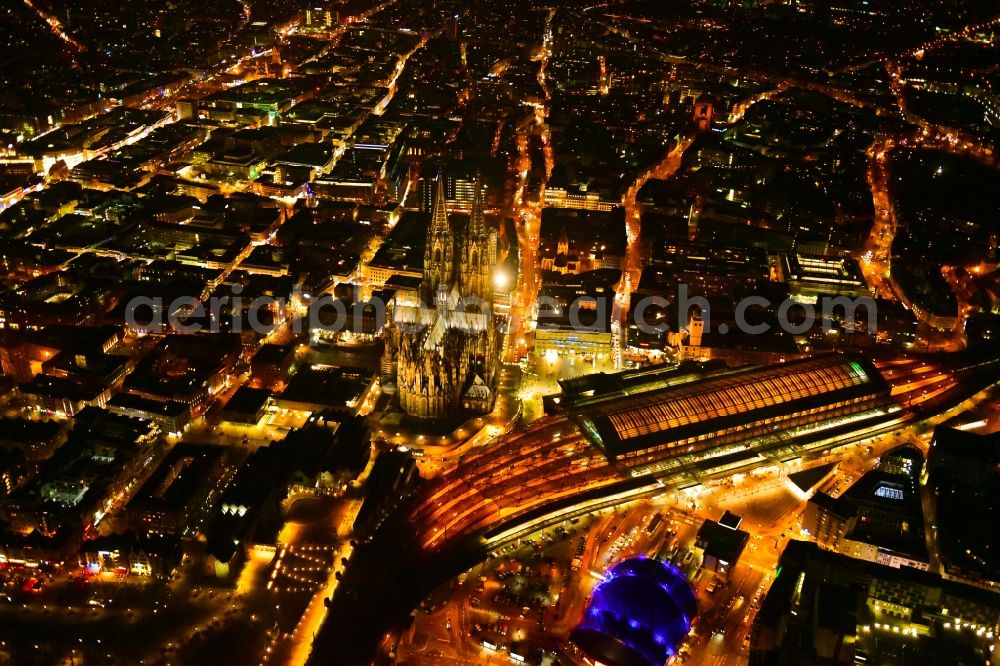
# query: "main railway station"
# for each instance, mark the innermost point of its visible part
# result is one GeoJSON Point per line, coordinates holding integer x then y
{"type": "Point", "coordinates": [615, 437]}
{"type": "Point", "coordinates": [648, 420]}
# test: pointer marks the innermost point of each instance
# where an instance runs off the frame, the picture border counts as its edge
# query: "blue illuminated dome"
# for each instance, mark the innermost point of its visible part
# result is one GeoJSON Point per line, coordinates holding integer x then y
{"type": "Point", "coordinates": [638, 614]}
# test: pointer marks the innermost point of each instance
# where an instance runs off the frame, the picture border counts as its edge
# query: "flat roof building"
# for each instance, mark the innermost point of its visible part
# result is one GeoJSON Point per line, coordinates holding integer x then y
{"type": "Point", "coordinates": [827, 608]}
{"type": "Point", "coordinates": [722, 543]}
{"type": "Point", "coordinates": [812, 276]}
{"type": "Point", "coordinates": [963, 475]}
{"type": "Point", "coordinates": [171, 496]}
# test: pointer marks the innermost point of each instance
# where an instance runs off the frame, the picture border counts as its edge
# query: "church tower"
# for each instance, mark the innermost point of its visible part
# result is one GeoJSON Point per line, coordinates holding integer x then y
{"type": "Point", "coordinates": [562, 245]}
{"type": "Point", "coordinates": [439, 252]}
{"type": "Point", "coordinates": [704, 113]}
{"type": "Point", "coordinates": [478, 251]}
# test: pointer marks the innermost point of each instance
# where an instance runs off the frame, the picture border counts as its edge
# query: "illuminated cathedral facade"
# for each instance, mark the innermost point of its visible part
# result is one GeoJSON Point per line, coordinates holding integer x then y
{"type": "Point", "coordinates": [445, 348]}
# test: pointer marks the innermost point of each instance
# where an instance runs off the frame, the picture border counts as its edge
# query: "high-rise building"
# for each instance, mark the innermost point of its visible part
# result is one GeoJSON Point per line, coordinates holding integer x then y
{"type": "Point", "coordinates": [879, 518]}
{"type": "Point", "coordinates": [319, 15]}
{"type": "Point", "coordinates": [963, 476]}
{"type": "Point", "coordinates": [459, 186]}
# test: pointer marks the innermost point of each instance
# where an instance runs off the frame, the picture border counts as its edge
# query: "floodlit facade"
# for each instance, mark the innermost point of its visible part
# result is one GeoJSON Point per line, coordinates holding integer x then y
{"type": "Point", "coordinates": [446, 348]}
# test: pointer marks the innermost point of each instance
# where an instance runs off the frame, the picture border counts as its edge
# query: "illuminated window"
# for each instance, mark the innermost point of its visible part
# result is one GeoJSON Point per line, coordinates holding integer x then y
{"type": "Point", "coordinates": [889, 492]}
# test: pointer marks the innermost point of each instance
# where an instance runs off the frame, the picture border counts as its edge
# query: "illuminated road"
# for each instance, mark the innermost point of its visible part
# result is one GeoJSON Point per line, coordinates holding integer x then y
{"type": "Point", "coordinates": [875, 256]}
{"type": "Point", "coordinates": [665, 169]}
{"type": "Point", "coordinates": [55, 26]}
{"type": "Point", "coordinates": [662, 170]}
{"type": "Point", "coordinates": [527, 206]}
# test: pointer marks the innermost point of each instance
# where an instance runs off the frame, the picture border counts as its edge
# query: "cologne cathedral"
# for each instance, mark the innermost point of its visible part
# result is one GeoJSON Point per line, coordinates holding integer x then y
{"type": "Point", "coordinates": [446, 346]}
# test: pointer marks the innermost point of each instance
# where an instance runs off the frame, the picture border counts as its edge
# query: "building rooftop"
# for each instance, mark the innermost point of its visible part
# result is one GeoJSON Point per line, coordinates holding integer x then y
{"type": "Point", "coordinates": [682, 409]}
{"type": "Point", "coordinates": [722, 542]}
{"type": "Point", "coordinates": [246, 401]}
{"type": "Point", "coordinates": [326, 386]}
{"type": "Point", "coordinates": [404, 247]}
{"type": "Point", "coordinates": [178, 478]}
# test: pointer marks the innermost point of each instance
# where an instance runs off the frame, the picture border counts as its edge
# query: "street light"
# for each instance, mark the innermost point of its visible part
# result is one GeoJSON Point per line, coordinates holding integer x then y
{"type": "Point", "coordinates": [501, 279]}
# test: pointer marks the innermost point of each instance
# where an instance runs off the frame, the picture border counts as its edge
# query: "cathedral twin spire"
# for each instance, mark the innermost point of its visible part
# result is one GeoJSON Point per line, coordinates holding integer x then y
{"type": "Point", "coordinates": [477, 222]}
{"type": "Point", "coordinates": [473, 269]}
{"type": "Point", "coordinates": [451, 365]}
{"type": "Point", "coordinates": [439, 253]}
{"type": "Point", "coordinates": [478, 251]}
{"type": "Point", "coordinates": [439, 218]}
